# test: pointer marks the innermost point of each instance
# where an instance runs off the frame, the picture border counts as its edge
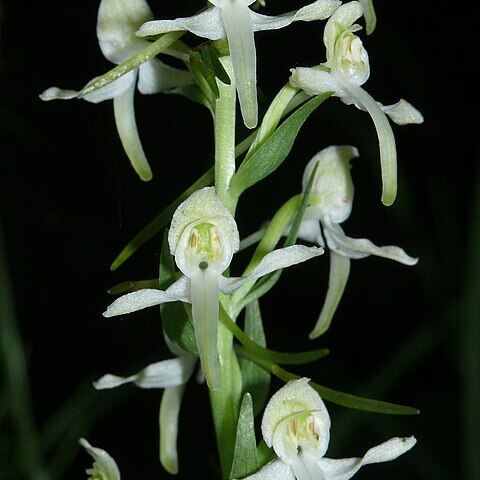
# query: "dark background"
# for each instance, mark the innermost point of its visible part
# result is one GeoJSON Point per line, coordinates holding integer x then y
{"type": "Point", "coordinates": [69, 201]}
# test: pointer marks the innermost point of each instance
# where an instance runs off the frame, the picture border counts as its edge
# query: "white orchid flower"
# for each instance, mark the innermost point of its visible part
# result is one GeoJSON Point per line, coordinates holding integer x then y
{"type": "Point", "coordinates": [346, 69]}
{"type": "Point", "coordinates": [234, 20]}
{"type": "Point", "coordinates": [203, 238]}
{"type": "Point", "coordinates": [330, 204]}
{"type": "Point", "coordinates": [296, 424]}
{"type": "Point", "coordinates": [104, 466]}
{"type": "Point", "coordinates": [172, 376]}
{"type": "Point", "coordinates": [117, 22]}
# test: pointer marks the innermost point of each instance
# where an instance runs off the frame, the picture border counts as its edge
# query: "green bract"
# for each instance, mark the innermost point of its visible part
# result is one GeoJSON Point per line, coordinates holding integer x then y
{"type": "Point", "coordinates": [347, 68]}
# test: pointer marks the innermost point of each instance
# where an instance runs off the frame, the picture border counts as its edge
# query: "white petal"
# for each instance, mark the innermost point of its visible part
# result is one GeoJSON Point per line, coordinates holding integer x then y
{"type": "Point", "coordinates": [386, 141]}
{"type": "Point", "coordinates": [338, 276]}
{"type": "Point", "coordinates": [124, 110]}
{"type": "Point", "coordinates": [155, 76]}
{"type": "Point", "coordinates": [294, 397]}
{"type": "Point", "coordinates": [131, 302]}
{"type": "Point", "coordinates": [205, 305]}
{"type": "Point", "coordinates": [168, 422]}
{"type": "Point", "coordinates": [361, 247]}
{"type": "Point", "coordinates": [114, 89]}
{"type": "Point", "coordinates": [164, 374]}
{"type": "Point", "coordinates": [116, 25]}
{"type": "Point", "coordinates": [318, 10]}
{"type": "Point", "coordinates": [55, 93]}
{"type": "Point", "coordinates": [402, 113]}
{"type": "Point", "coordinates": [207, 24]}
{"type": "Point", "coordinates": [239, 29]}
{"type": "Point", "coordinates": [341, 20]}
{"type": "Point", "coordinates": [104, 465]}
{"type": "Point", "coordinates": [276, 470]}
{"type": "Point", "coordinates": [310, 231]}
{"type": "Point", "coordinates": [280, 258]}
{"type": "Point", "coordinates": [344, 469]}
{"type": "Point", "coordinates": [315, 81]}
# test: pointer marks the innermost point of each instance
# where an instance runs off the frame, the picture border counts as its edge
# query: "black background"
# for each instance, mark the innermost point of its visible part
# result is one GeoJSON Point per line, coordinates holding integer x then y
{"type": "Point", "coordinates": [69, 201]}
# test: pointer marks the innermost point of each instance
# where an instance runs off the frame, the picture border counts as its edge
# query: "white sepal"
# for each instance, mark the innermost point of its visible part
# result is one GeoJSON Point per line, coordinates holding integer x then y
{"type": "Point", "coordinates": [275, 260]}
{"type": "Point", "coordinates": [104, 466]}
{"type": "Point", "coordinates": [116, 24]}
{"type": "Point", "coordinates": [132, 302]}
{"type": "Point", "coordinates": [155, 76]}
{"type": "Point", "coordinates": [402, 113]}
{"type": "Point", "coordinates": [345, 468]}
{"type": "Point", "coordinates": [207, 24]}
{"type": "Point", "coordinates": [362, 247]}
{"type": "Point", "coordinates": [164, 374]}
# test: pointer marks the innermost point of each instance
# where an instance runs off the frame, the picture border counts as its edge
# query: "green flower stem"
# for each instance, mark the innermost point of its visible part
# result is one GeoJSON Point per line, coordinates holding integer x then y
{"type": "Point", "coordinates": [225, 137]}
{"type": "Point", "coordinates": [27, 452]}
{"type": "Point", "coordinates": [225, 402]}
{"type": "Point", "coordinates": [134, 61]}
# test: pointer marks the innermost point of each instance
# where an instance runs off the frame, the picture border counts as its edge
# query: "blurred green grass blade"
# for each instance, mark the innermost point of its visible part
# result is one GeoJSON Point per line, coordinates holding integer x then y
{"type": "Point", "coordinates": [245, 459]}
{"type": "Point", "coordinates": [28, 453]}
{"type": "Point", "coordinates": [469, 350]}
{"type": "Point", "coordinates": [160, 221]}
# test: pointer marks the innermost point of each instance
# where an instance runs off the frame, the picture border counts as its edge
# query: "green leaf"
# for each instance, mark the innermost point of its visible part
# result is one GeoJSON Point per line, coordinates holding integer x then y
{"type": "Point", "coordinates": [160, 221]}
{"type": "Point", "coordinates": [267, 158]}
{"type": "Point", "coordinates": [210, 57]}
{"type": "Point", "coordinates": [245, 460]}
{"type": "Point", "coordinates": [202, 73]}
{"type": "Point", "coordinates": [255, 379]}
{"type": "Point", "coordinates": [134, 61]}
{"type": "Point", "coordinates": [348, 400]}
{"type": "Point", "coordinates": [267, 355]}
{"type": "Point", "coordinates": [176, 322]}
{"type": "Point", "coordinates": [265, 454]}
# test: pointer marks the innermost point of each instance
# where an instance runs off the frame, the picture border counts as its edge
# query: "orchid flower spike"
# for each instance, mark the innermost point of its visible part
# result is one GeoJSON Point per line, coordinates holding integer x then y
{"type": "Point", "coordinates": [203, 237]}
{"type": "Point", "coordinates": [346, 69]}
{"type": "Point", "coordinates": [330, 204]}
{"type": "Point", "coordinates": [234, 20]}
{"type": "Point", "coordinates": [296, 424]}
{"type": "Point", "coordinates": [104, 466]}
{"type": "Point", "coordinates": [171, 375]}
{"type": "Point", "coordinates": [117, 22]}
